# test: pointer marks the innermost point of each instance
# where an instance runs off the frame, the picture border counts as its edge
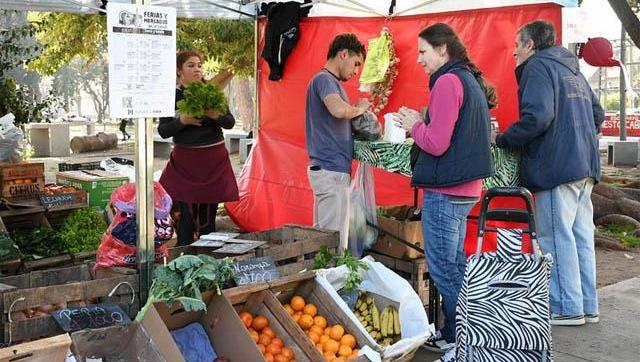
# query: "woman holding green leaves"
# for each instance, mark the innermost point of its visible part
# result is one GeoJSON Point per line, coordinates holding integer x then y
{"type": "Point", "coordinates": [198, 175]}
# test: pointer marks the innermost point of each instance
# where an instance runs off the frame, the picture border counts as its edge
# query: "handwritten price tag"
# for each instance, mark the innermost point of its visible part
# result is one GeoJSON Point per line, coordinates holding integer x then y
{"type": "Point", "coordinates": [258, 270]}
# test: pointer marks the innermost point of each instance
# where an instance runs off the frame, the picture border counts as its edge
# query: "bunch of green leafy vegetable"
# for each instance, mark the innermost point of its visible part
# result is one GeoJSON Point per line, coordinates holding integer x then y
{"type": "Point", "coordinates": [82, 231]}
{"type": "Point", "coordinates": [200, 96]}
{"type": "Point", "coordinates": [8, 249]}
{"type": "Point", "coordinates": [39, 243]}
{"type": "Point", "coordinates": [324, 259]}
{"type": "Point", "coordinates": [184, 278]}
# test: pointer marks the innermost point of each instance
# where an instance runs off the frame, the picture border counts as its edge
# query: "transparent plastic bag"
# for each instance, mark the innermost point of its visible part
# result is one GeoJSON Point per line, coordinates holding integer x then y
{"type": "Point", "coordinates": [366, 127]}
{"type": "Point", "coordinates": [363, 221]}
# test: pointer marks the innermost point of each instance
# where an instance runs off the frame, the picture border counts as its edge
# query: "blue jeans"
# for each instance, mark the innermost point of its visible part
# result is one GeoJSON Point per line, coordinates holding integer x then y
{"type": "Point", "coordinates": [565, 227]}
{"type": "Point", "coordinates": [444, 225]}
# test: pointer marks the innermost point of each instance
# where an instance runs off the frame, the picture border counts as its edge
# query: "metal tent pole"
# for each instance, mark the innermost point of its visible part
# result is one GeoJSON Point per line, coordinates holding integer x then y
{"type": "Point", "coordinates": [256, 74]}
{"type": "Point", "coordinates": [144, 200]}
{"type": "Point", "coordinates": [623, 87]}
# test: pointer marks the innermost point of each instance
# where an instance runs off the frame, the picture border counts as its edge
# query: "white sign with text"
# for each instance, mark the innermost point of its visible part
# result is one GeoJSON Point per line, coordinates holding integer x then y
{"type": "Point", "coordinates": [142, 60]}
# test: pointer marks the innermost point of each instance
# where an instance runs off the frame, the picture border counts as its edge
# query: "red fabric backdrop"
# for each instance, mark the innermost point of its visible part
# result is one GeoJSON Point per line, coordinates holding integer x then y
{"type": "Point", "coordinates": [274, 189]}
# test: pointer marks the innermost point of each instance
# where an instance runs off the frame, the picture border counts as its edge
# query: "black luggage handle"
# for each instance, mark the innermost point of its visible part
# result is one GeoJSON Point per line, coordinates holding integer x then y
{"type": "Point", "coordinates": [507, 214]}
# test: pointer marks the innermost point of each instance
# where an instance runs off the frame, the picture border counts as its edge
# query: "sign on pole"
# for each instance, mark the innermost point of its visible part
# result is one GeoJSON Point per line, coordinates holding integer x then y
{"type": "Point", "coordinates": [142, 60]}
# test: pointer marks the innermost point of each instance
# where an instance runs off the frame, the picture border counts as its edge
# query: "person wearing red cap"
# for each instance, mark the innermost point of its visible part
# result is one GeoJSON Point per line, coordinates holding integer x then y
{"type": "Point", "coordinates": [560, 117]}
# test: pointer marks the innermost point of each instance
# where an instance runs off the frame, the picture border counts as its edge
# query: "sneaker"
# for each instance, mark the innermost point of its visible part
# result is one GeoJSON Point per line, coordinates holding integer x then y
{"type": "Point", "coordinates": [437, 344]}
{"type": "Point", "coordinates": [592, 318]}
{"type": "Point", "coordinates": [450, 356]}
{"type": "Point", "coordinates": [567, 320]}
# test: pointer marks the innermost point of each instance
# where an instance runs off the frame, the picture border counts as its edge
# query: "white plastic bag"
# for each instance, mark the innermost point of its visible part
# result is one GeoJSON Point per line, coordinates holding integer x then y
{"type": "Point", "coordinates": [379, 279]}
{"type": "Point", "coordinates": [11, 140]}
{"type": "Point", "coordinates": [112, 166]}
{"type": "Point", "coordinates": [363, 212]}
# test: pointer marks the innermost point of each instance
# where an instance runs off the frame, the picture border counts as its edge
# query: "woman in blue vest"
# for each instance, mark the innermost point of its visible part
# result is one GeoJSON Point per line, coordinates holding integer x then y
{"type": "Point", "coordinates": [454, 156]}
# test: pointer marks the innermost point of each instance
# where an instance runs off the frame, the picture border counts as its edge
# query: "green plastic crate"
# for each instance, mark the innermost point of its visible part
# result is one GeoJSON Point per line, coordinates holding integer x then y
{"type": "Point", "coordinates": [98, 184]}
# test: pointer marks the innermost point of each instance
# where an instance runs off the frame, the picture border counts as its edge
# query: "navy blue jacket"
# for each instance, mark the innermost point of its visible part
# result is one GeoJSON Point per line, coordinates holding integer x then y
{"type": "Point", "coordinates": [560, 117]}
{"type": "Point", "coordinates": [468, 157]}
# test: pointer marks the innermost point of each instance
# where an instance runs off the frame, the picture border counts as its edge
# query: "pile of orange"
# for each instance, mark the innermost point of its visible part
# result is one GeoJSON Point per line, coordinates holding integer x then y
{"type": "Point", "coordinates": [331, 341]}
{"type": "Point", "coordinates": [272, 347]}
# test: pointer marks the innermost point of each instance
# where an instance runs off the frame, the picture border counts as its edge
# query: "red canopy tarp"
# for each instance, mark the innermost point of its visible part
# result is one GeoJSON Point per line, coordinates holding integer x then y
{"type": "Point", "coordinates": [274, 189]}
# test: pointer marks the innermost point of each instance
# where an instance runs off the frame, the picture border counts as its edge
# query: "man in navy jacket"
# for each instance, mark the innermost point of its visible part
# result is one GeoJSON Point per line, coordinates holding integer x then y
{"type": "Point", "coordinates": [560, 117]}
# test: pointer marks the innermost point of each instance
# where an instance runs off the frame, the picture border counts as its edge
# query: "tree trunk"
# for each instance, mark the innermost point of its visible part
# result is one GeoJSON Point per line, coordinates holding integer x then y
{"type": "Point", "coordinates": [619, 220]}
{"type": "Point", "coordinates": [610, 192]}
{"type": "Point", "coordinates": [244, 99]}
{"type": "Point", "coordinates": [629, 207]}
{"type": "Point", "coordinates": [603, 206]}
{"type": "Point", "coordinates": [604, 242]}
{"type": "Point", "coordinates": [631, 193]}
{"type": "Point", "coordinates": [628, 18]}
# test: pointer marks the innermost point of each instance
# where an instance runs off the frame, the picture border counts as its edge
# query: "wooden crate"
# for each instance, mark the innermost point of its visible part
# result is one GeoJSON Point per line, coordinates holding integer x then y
{"type": "Point", "coordinates": [292, 247]}
{"type": "Point", "coordinates": [71, 286]}
{"type": "Point", "coordinates": [52, 349]}
{"type": "Point", "coordinates": [260, 299]}
{"type": "Point", "coordinates": [415, 271]}
{"type": "Point", "coordinates": [22, 181]}
{"type": "Point", "coordinates": [313, 293]}
{"type": "Point", "coordinates": [58, 261]}
{"type": "Point", "coordinates": [176, 251]}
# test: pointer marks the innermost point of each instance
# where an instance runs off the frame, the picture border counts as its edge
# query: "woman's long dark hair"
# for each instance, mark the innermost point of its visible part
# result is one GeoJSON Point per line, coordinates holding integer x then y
{"type": "Point", "coordinates": [442, 34]}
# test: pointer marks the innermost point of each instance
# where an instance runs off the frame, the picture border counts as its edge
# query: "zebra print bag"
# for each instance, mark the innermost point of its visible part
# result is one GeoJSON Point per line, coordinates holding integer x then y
{"type": "Point", "coordinates": [503, 307]}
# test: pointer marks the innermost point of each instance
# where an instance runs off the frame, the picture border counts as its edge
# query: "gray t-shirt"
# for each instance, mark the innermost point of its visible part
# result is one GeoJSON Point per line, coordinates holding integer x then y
{"type": "Point", "coordinates": [329, 139]}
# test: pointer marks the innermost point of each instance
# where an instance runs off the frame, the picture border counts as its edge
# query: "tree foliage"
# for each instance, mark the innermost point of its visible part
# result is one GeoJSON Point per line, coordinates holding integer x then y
{"type": "Point", "coordinates": [66, 36]}
{"type": "Point", "coordinates": [19, 93]}
{"type": "Point", "coordinates": [229, 43]}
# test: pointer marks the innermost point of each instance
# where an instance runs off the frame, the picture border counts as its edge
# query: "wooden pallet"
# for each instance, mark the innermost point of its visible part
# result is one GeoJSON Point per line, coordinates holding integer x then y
{"type": "Point", "coordinates": [71, 286]}
{"type": "Point", "coordinates": [293, 247]}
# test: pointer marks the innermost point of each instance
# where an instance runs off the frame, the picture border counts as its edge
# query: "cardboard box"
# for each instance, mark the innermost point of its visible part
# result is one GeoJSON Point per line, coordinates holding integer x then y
{"type": "Point", "coordinates": [227, 333]}
{"type": "Point", "coordinates": [98, 184]}
{"type": "Point", "coordinates": [22, 181]}
{"type": "Point", "coordinates": [133, 342]}
{"type": "Point", "coordinates": [394, 221]}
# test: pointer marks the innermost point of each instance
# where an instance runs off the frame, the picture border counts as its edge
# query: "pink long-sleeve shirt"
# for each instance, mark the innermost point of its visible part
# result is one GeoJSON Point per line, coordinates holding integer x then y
{"type": "Point", "coordinates": [435, 138]}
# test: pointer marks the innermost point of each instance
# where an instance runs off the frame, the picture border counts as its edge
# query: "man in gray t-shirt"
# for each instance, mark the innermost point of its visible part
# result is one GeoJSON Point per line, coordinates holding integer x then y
{"type": "Point", "coordinates": [328, 134]}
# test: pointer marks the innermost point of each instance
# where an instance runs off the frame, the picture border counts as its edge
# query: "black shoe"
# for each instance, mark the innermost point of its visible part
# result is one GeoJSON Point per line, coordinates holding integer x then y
{"type": "Point", "coordinates": [437, 344]}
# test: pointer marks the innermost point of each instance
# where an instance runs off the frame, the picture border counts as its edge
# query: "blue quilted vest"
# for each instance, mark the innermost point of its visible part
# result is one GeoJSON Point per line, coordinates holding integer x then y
{"type": "Point", "coordinates": [469, 155]}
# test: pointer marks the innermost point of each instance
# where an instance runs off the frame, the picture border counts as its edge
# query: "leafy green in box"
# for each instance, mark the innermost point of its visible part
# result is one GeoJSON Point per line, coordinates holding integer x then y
{"type": "Point", "coordinates": [82, 230]}
{"type": "Point", "coordinates": [184, 278]}
{"type": "Point", "coordinates": [199, 96]}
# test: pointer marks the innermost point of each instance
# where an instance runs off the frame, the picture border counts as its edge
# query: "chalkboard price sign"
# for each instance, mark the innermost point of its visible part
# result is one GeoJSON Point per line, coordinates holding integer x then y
{"type": "Point", "coordinates": [252, 271]}
{"type": "Point", "coordinates": [93, 316]}
{"type": "Point", "coordinates": [58, 199]}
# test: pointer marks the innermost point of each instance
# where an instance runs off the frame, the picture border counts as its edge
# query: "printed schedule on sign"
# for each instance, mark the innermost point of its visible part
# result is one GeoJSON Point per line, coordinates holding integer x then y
{"type": "Point", "coordinates": [142, 60]}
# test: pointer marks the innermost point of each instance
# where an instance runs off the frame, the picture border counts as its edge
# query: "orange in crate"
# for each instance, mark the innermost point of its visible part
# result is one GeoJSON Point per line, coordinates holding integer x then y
{"type": "Point", "coordinates": [270, 345]}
